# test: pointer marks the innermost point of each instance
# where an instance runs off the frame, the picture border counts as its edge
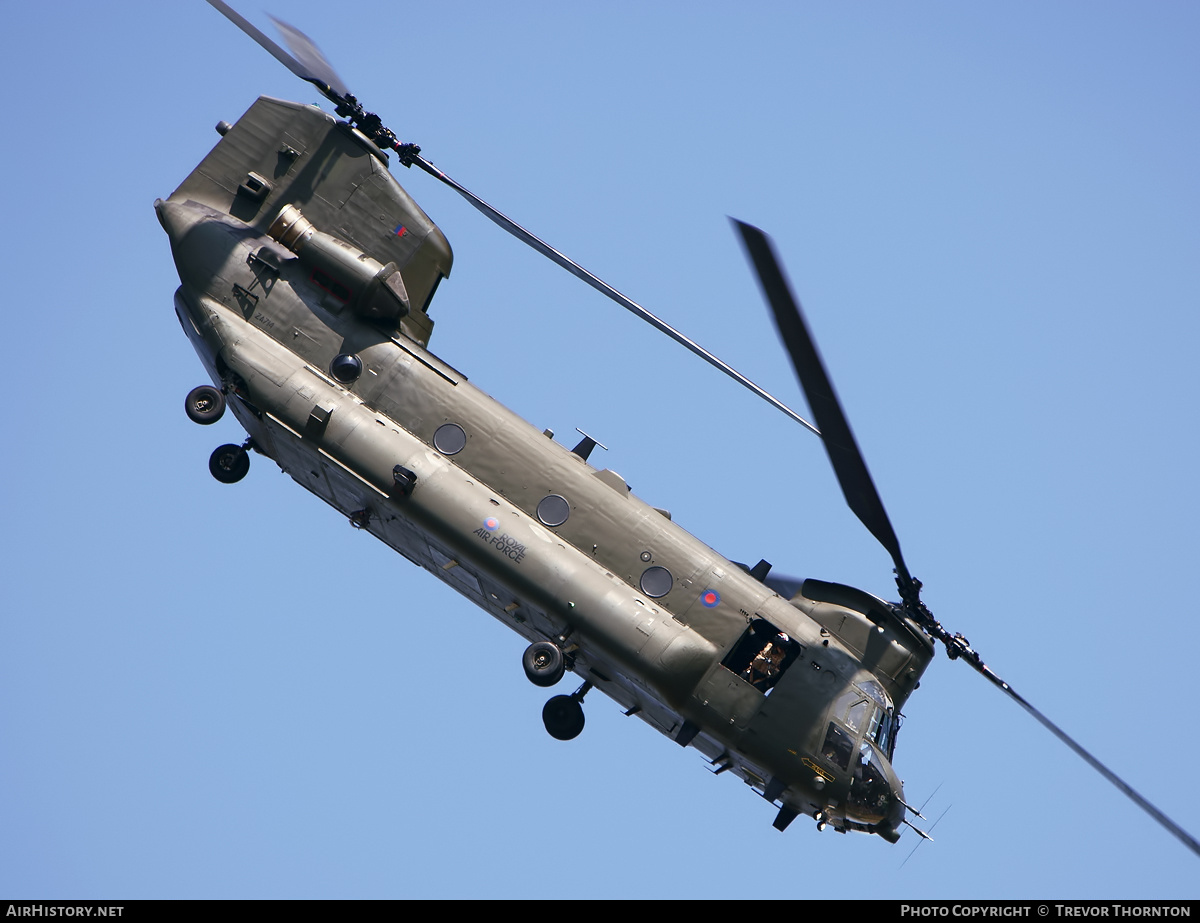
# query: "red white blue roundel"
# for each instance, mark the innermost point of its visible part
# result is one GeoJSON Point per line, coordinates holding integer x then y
{"type": "Point", "coordinates": [710, 599]}
{"type": "Point", "coordinates": [491, 523]}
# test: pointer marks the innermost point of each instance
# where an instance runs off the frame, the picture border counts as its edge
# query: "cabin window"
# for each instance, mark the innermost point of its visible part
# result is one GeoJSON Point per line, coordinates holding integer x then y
{"type": "Point", "coordinates": [345, 368]}
{"type": "Point", "coordinates": [449, 439]}
{"type": "Point", "coordinates": [553, 511]}
{"type": "Point", "coordinates": [656, 581]}
{"type": "Point", "coordinates": [761, 655]}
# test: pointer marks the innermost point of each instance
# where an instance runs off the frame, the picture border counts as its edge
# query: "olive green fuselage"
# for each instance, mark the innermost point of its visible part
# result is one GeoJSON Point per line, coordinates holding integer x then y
{"type": "Point", "coordinates": [526, 529]}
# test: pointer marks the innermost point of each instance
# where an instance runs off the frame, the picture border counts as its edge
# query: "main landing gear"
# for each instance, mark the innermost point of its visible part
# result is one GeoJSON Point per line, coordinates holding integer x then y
{"type": "Point", "coordinates": [545, 665]}
{"type": "Point", "coordinates": [204, 405]}
{"type": "Point", "coordinates": [563, 714]}
{"type": "Point", "coordinates": [229, 463]}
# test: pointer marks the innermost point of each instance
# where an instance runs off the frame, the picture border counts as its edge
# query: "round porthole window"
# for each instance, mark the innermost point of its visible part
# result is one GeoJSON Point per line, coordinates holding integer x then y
{"type": "Point", "coordinates": [553, 510]}
{"type": "Point", "coordinates": [656, 581]}
{"type": "Point", "coordinates": [345, 368]}
{"type": "Point", "coordinates": [449, 439]}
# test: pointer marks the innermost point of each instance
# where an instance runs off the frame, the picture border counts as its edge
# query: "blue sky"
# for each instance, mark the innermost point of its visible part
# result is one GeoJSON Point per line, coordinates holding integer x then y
{"type": "Point", "coordinates": [989, 212]}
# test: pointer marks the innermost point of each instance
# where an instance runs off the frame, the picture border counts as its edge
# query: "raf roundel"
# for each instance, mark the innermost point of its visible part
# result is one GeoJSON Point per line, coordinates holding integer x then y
{"type": "Point", "coordinates": [491, 523]}
{"type": "Point", "coordinates": [710, 599]}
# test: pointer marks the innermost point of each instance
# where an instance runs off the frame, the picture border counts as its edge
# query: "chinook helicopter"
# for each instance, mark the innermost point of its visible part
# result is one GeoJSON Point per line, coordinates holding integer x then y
{"type": "Point", "coordinates": [307, 276]}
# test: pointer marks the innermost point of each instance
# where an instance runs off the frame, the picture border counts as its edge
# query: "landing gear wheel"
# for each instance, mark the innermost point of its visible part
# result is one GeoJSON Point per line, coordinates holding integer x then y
{"type": "Point", "coordinates": [543, 663]}
{"type": "Point", "coordinates": [229, 463]}
{"type": "Point", "coordinates": [563, 717]}
{"type": "Point", "coordinates": [204, 405]}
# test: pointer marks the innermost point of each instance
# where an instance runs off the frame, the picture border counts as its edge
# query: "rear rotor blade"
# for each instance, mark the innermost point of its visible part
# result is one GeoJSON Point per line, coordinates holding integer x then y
{"type": "Point", "coordinates": [844, 454]}
{"type": "Point", "coordinates": [309, 64]}
{"type": "Point", "coordinates": [604, 288]}
{"type": "Point", "coordinates": [309, 56]}
{"type": "Point", "coordinates": [304, 72]}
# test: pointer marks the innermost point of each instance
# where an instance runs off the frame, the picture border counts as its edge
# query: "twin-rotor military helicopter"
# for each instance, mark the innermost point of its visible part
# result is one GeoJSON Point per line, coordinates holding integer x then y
{"type": "Point", "coordinates": [307, 275]}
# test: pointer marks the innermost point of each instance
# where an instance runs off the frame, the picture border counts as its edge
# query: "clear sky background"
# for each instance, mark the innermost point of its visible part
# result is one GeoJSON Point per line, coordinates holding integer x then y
{"type": "Point", "coordinates": [990, 214]}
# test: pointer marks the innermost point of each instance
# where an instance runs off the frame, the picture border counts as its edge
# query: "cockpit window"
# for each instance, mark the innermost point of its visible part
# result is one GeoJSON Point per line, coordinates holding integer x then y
{"type": "Point", "coordinates": [852, 709]}
{"type": "Point", "coordinates": [881, 729]}
{"type": "Point", "coordinates": [882, 726]}
{"type": "Point", "coordinates": [870, 794]}
{"type": "Point", "coordinates": [838, 746]}
{"type": "Point", "coordinates": [877, 693]}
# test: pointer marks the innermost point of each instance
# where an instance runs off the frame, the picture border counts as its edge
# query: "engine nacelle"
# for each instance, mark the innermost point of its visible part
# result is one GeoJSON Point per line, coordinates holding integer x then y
{"type": "Point", "coordinates": [375, 290]}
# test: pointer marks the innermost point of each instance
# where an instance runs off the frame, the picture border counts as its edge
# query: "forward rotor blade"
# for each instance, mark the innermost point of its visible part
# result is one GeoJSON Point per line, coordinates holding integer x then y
{"type": "Point", "coordinates": [864, 499]}
{"type": "Point", "coordinates": [604, 288]}
{"type": "Point", "coordinates": [974, 660]}
{"type": "Point", "coordinates": [304, 72]}
{"type": "Point", "coordinates": [844, 454]}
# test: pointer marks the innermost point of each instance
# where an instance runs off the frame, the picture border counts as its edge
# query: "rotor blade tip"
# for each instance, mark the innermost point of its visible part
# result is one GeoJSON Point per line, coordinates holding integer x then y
{"type": "Point", "coordinates": [752, 236]}
{"type": "Point", "coordinates": [743, 226]}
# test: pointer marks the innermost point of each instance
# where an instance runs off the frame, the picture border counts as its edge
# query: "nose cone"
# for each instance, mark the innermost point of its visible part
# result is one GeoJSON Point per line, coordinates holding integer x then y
{"type": "Point", "coordinates": [875, 792]}
{"type": "Point", "coordinates": [889, 827]}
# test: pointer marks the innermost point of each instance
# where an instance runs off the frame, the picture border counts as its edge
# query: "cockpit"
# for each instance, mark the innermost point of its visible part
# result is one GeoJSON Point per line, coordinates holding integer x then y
{"type": "Point", "coordinates": [860, 740]}
{"type": "Point", "coordinates": [871, 797]}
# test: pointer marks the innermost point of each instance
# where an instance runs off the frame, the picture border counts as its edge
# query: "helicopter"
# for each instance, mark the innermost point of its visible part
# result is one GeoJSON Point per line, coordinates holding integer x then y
{"type": "Point", "coordinates": [715, 655]}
